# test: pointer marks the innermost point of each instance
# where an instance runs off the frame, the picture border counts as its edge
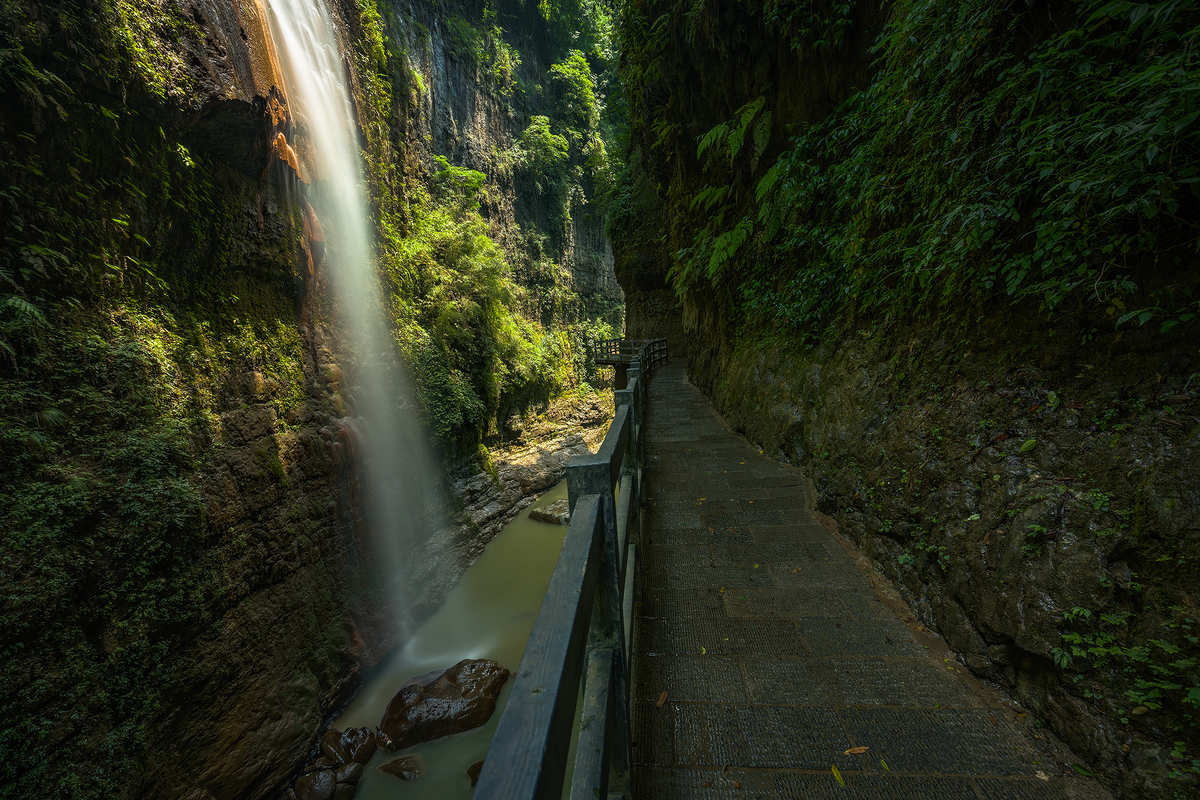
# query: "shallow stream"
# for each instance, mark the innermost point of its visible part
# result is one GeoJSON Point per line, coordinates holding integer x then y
{"type": "Point", "coordinates": [489, 614]}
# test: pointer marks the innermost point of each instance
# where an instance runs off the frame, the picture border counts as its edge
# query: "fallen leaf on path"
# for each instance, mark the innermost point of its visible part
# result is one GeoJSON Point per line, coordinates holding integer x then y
{"type": "Point", "coordinates": [756, 566]}
{"type": "Point", "coordinates": [853, 751]}
{"type": "Point", "coordinates": [703, 651]}
{"type": "Point", "coordinates": [797, 569]}
{"type": "Point", "coordinates": [662, 699]}
{"type": "Point", "coordinates": [1041, 776]}
{"type": "Point", "coordinates": [883, 764]}
{"type": "Point", "coordinates": [837, 774]}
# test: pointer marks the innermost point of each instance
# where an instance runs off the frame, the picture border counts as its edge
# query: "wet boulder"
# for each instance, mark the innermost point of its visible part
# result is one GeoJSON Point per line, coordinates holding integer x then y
{"type": "Point", "coordinates": [318, 785]}
{"type": "Point", "coordinates": [473, 772]}
{"type": "Point", "coordinates": [345, 747]}
{"type": "Point", "coordinates": [461, 698]}
{"type": "Point", "coordinates": [359, 744]}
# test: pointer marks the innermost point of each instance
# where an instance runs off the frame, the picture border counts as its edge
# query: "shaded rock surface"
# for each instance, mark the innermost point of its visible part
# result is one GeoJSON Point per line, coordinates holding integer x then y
{"type": "Point", "coordinates": [461, 698]}
{"type": "Point", "coordinates": [473, 772]}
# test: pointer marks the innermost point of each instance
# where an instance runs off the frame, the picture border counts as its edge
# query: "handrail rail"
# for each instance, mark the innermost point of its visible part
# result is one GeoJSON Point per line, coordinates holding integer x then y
{"type": "Point", "coordinates": [651, 352]}
{"type": "Point", "coordinates": [582, 631]}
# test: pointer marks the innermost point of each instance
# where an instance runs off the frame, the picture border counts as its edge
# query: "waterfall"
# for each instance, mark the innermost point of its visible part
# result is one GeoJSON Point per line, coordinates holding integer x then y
{"type": "Point", "coordinates": [401, 486]}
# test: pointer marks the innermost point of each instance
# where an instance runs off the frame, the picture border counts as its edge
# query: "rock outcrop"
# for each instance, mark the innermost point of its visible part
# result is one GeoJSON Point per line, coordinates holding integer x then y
{"type": "Point", "coordinates": [557, 513]}
{"type": "Point", "coordinates": [532, 460]}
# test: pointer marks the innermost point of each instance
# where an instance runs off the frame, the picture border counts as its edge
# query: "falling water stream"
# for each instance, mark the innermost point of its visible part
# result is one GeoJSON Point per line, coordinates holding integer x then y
{"type": "Point", "coordinates": [400, 481]}
{"type": "Point", "coordinates": [492, 609]}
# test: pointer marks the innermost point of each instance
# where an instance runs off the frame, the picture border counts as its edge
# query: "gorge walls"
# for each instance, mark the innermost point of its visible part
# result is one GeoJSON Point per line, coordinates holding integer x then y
{"type": "Point", "coordinates": [186, 587]}
{"type": "Point", "coordinates": [936, 254]}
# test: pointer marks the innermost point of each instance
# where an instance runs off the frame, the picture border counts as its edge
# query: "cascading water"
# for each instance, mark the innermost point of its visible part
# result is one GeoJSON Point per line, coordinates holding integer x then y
{"type": "Point", "coordinates": [401, 491]}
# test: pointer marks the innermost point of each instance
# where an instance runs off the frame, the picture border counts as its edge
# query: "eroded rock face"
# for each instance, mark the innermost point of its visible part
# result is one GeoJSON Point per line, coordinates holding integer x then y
{"type": "Point", "coordinates": [461, 698]}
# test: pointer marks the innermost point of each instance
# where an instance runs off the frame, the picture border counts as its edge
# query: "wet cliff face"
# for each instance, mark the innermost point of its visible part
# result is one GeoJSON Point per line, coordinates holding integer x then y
{"type": "Point", "coordinates": [186, 593]}
{"type": "Point", "coordinates": [478, 76]}
{"type": "Point", "coordinates": [860, 229]}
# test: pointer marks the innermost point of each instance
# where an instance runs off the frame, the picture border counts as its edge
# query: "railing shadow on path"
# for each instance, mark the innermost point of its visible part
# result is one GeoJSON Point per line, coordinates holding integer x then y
{"type": "Point", "coordinates": [581, 639]}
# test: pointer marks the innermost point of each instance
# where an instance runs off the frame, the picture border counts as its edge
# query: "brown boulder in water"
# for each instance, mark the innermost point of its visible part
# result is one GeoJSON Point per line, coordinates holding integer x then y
{"type": "Point", "coordinates": [461, 698]}
{"type": "Point", "coordinates": [359, 744]}
{"type": "Point", "coordinates": [318, 785]}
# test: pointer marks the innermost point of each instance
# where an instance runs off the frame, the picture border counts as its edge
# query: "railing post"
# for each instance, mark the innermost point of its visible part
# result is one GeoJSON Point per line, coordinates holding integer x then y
{"type": "Point", "coordinates": [607, 630]}
{"type": "Point", "coordinates": [637, 385]}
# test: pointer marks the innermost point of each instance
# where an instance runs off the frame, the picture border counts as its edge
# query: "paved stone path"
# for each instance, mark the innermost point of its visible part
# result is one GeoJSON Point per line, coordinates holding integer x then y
{"type": "Point", "coordinates": [777, 656]}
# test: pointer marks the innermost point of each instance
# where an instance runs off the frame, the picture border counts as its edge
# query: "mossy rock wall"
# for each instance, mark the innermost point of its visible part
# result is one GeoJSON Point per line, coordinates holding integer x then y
{"type": "Point", "coordinates": [185, 591]}
{"type": "Point", "coordinates": [901, 256]}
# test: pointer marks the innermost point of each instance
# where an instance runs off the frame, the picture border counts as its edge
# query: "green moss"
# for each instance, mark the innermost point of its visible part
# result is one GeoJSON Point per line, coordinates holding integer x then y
{"type": "Point", "coordinates": [147, 31]}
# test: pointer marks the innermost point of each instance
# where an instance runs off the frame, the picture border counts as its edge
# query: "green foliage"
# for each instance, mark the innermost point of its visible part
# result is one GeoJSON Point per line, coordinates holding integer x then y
{"type": "Point", "coordinates": [145, 29]}
{"type": "Point", "coordinates": [1141, 671]}
{"type": "Point", "coordinates": [476, 356]}
{"type": "Point", "coordinates": [994, 156]}
{"type": "Point", "coordinates": [543, 153]}
{"type": "Point", "coordinates": [485, 48]}
{"type": "Point", "coordinates": [574, 89]}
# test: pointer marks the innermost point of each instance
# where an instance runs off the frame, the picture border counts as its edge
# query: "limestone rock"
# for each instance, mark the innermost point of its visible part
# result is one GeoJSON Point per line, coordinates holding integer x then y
{"type": "Point", "coordinates": [557, 513]}
{"type": "Point", "coordinates": [461, 698]}
{"type": "Point", "coordinates": [406, 768]}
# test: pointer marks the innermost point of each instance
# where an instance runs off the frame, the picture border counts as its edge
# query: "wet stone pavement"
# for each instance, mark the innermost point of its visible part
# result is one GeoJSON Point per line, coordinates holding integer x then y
{"type": "Point", "coordinates": [778, 656]}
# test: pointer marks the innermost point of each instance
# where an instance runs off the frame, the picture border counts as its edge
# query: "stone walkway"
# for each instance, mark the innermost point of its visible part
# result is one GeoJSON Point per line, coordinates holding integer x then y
{"type": "Point", "coordinates": [777, 656]}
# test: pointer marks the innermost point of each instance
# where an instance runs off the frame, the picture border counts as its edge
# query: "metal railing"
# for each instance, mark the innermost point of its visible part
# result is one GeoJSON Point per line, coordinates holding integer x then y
{"type": "Point", "coordinates": [582, 631]}
{"type": "Point", "coordinates": [650, 352]}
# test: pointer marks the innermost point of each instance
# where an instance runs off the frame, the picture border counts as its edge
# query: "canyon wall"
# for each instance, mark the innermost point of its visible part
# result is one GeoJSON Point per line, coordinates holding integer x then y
{"type": "Point", "coordinates": [185, 581]}
{"type": "Point", "coordinates": [900, 257]}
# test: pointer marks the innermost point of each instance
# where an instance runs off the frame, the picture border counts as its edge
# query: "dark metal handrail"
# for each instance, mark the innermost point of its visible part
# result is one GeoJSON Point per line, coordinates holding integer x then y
{"type": "Point", "coordinates": [583, 628]}
{"type": "Point", "coordinates": [650, 352]}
